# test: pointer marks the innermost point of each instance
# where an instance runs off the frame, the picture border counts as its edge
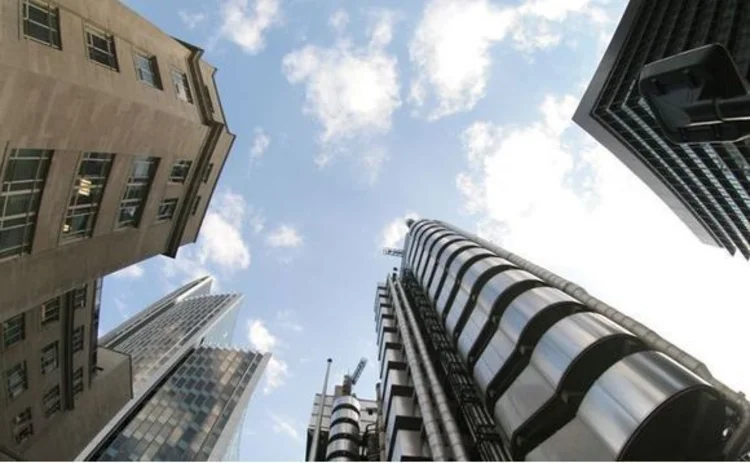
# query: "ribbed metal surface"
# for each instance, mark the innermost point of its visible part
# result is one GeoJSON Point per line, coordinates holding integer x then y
{"type": "Point", "coordinates": [343, 437]}
{"type": "Point", "coordinates": [558, 372]}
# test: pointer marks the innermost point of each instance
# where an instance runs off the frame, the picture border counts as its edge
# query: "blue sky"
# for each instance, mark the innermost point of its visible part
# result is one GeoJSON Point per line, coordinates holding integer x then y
{"type": "Point", "coordinates": [351, 116]}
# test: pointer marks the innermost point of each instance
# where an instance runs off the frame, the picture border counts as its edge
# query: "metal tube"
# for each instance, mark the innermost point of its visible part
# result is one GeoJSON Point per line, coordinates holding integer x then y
{"type": "Point", "coordinates": [319, 424]}
{"type": "Point", "coordinates": [738, 440]}
{"type": "Point", "coordinates": [441, 400]}
{"type": "Point", "coordinates": [434, 438]}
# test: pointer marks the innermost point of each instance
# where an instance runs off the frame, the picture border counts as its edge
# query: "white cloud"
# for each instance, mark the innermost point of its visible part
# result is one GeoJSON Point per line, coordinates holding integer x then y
{"type": "Point", "coordinates": [392, 235]}
{"type": "Point", "coordinates": [134, 272]}
{"type": "Point", "coordinates": [548, 193]}
{"type": "Point", "coordinates": [245, 22]}
{"type": "Point", "coordinates": [284, 236]}
{"type": "Point", "coordinates": [372, 162]}
{"type": "Point", "coordinates": [285, 426]}
{"type": "Point", "coordinates": [352, 91]}
{"type": "Point", "coordinates": [261, 141]}
{"type": "Point", "coordinates": [259, 337]}
{"type": "Point", "coordinates": [220, 246]}
{"type": "Point", "coordinates": [257, 221]}
{"type": "Point", "coordinates": [122, 308]}
{"type": "Point", "coordinates": [450, 50]}
{"type": "Point", "coordinates": [277, 372]}
{"type": "Point", "coordinates": [191, 20]}
{"type": "Point", "coordinates": [262, 340]}
{"type": "Point", "coordinates": [339, 20]}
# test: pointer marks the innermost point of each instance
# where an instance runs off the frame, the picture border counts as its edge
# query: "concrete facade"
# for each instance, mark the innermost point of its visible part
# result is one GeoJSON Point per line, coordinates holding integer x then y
{"type": "Point", "coordinates": [61, 100]}
{"type": "Point", "coordinates": [61, 426]}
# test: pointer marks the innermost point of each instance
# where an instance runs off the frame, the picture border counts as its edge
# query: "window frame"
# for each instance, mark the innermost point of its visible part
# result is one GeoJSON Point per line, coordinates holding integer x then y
{"type": "Point", "coordinates": [51, 401]}
{"type": "Point", "coordinates": [23, 382]}
{"type": "Point", "coordinates": [44, 317]}
{"type": "Point", "coordinates": [195, 205]}
{"type": "Point", "coordinates": [50, 363]}
{"type": "Point", "coordinates": [75, 345]}
{"type": "Point", "coordinates": [90, 29]}
{"type": "Point", "coordinates": [180, 177]}
{"type": "Point", "coordinates": [78, 382]}
{"type": "Point", "coordinates": [207, 172]}
{"type": "Point", "coordinates": [13, 188]}
{"type": "Point", "coordinates": [4, 328]}
{"type": "Point", "coordinates": [154, 69]}
{"type": "Point", "coordinates": [96, 187]}
{"type": "Point", "coordinates": [135, 183]}
{"type": "Point", "coordinates": [167, 209]}
{"type": "Point", "coordinates": [78, 297]}
{"type": "Point", "coordinates": [53, 14]}
{"type": "Point", "coordinates": [180, 82]}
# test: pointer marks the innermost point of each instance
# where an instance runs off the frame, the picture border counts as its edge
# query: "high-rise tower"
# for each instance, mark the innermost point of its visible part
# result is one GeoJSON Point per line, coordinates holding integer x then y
{"type": "Point", "coordinates": [706, 185]}
{"type": "Point", "coordinates": [190, 391]}
{"type": "Point", "coordinates": [486, 356]}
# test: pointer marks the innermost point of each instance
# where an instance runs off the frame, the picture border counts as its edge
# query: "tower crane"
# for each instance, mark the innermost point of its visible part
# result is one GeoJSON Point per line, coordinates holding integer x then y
{"type": "Point", "coordinates": [393, 252]}
{"type": "Point", "coordinates": [351, 380]}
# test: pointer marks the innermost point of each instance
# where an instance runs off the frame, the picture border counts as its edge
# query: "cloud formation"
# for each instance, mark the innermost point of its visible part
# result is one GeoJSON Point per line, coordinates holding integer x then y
{"type": "Point", "coordinates": [450, 49]}
{"type": "Point", "coordinates": [133, 272]}
{"type": "Point", "coordinates": [245, 22]}
{"type": "Point", "coordinates": [392, 235]}
{"type": "Point", "coordinates": [191, 20]}
{"type": "Point", "coordinates": [352, 91]}
{"type": "Point", "coordinates": [262, 340]}
{"type": "Point", "coordinates": [285, 426]}
{"type": "Point", "coordinates": [550, 194]}
{"type": "Point", "coordinates": [339, 20]}
{"type": "Point", "coordinates": [284, 236]}
{"type": "Point", "coordinates": [220, 247]}
{"type": "Point", "coordinates": [261, 141]}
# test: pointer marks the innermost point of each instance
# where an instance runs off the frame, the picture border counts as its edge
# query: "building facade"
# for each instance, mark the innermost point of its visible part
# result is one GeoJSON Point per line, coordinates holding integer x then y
{"type": "Point", "coordinates": [58, 386]}
{"type": "Point", "coordinates": [706, 185]}
{"type": "Point", "coordinates": [354, 420]}
{"type": "Point", "coordinates": [189, 394]}
{"type": "Point", "coordinates": [112, 138]}
{"type": "Point", "coordinates": [486, 356]}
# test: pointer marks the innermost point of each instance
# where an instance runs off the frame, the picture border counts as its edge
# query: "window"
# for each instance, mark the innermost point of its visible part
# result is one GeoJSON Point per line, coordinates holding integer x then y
{"type": "Point", "coordinates": [22, 418]}
{"type": "Point", "coordinates": [136, 191]}
{"type": "Point", "coordinates": [207, 172]}
{"type": "Point", "coordinates": [78, 297]}
{"type": "Point", "coordinates": [25, 172]}
{"type": "Point", "coordinates": [51, 401]}
{"type": "Point", "coordinates": [86, 195]}
{"type": "Point", "coordinates": [180, 171]}
{"type": "Point", "coordinates": [50, 311]}
{"type": "Point", "coordinates": [41, 22]}
{"type": "Point", "coordinates": [146, 69]}
{"type": "Point", "coordinates": [23, 434]}
{"type": "Point", "coordinates": [78, 339]}
{"type": "Point", "coordinates": [101, 47]}
{"type": "Point", "coordinates": [166, 209]}
{"type": "Point", "coordinates": [78, 382]}
{"type": "Point", "coordinates": [49, 358]}
{"type": "Point", "coordinates": [16, 380]}
{"type": "Point", "coordinates": [180, 81]}
{"type": "Point", "coordinates": [195, 205]}
{"type": "Point", "coordinates": [14, 330]}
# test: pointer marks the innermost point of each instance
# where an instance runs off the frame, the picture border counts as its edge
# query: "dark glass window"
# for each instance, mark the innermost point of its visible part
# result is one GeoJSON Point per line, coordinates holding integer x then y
{"type": "Point", "coordinates": [21, 192]}
{"type": "Point", "coordinates": [79, 297]}
{"type": "Point", "coordinates": [101, 47]}
{"type": "Point", "coordinates": [146, 69]}
{"type": "Point", "coordinates": [14, 330]}
{"type": "Point", "coordinates": [196, 203]}
{"type": "Point", "coordinates": [50, 357]}
{"type": "Point", "coordinates": [78, 382]}
{"type": "Point", "coordinates": [50, 311]}
{"type": "Point", "coordinates": [41, 22]}
{"type": "Point", "coordinates": [180, 171]}
{"type": "Point", "coordinates": [166, 209]}
{"type": "Point", "coordinates": [86, 195]}
{"type": "Point", "coordinates": [181, 85]}
{"type": "Point", "coordinates": [78, 339]}
{"type": "Point", "coordinates": [136, 191]}
{"type": "Point", "coordinates": [16, 380]}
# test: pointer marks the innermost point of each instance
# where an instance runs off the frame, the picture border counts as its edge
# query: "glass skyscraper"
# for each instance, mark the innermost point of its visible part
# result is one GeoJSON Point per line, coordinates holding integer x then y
{"type": "Point", "coordinates": [190, 390]}
{"type": "Point", "coordinates": [706, 185]}
{"type": "Point", "coordinates": [487, 356]}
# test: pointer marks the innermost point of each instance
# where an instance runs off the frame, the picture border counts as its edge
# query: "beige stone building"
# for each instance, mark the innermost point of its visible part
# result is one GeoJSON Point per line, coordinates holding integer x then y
{"type": "Point", "coordinates": [112, 139]}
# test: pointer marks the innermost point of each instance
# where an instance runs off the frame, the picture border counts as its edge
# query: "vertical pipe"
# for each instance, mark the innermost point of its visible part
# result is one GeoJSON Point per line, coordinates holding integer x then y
{"type": "Point", "coordinates": [434, 438]}
{"type": "Point", "coordinates": [441, 400]}
{"type": "Point", "coordinates": [319, 424]}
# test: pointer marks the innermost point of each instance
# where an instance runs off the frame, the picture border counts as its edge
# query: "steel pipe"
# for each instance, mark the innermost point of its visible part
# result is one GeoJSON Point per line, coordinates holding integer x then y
{"type": "Point", "coordinates": [319, 424]}
{"type": "Point", "coordinates": [737, 442]}
{"type": "Point", "coordinates": [434, 437]}
{"type": "Point", "coordinates": [441, 400]}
